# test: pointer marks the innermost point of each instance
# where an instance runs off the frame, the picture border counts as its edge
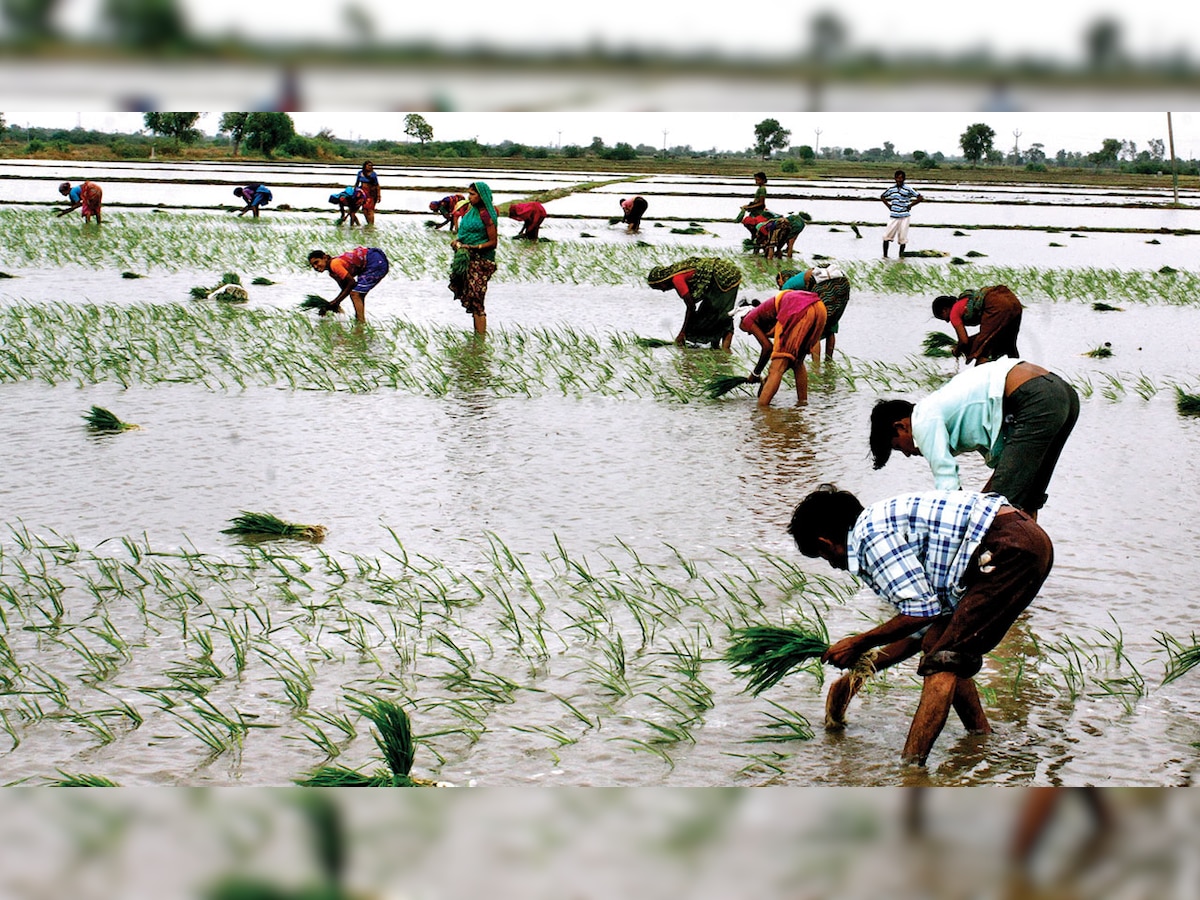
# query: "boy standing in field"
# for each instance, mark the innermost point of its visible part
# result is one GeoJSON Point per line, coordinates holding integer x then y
{"type": "Point", "coordinates": [899, 199]}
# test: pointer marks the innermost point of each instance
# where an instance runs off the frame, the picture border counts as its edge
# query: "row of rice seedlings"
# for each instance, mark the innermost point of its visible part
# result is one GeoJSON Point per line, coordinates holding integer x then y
{"type": "Point", "coordinates": [290, 642]}
{"type": "Point", "coordinates": [415, 253]}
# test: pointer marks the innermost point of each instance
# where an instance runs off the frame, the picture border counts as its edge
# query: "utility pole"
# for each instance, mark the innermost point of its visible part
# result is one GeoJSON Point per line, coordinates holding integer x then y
{"type": "Point", "coordinates": [665, 133]}
{"type": "Point", "coordinates": [1017, 144]}
{"type": "Point", "coordinates": [817, 149]}
{"type": "Point", "coordinates": [1174, 168]}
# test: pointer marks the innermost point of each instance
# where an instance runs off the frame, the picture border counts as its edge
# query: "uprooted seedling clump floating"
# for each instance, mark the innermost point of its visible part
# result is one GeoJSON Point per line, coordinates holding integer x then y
{"type": "Point", "coordinates": [265, 525]}
{"type": "Point", "coordinates": [1104, 351]}
{"type": "Point", "coordinates": [100, 419]}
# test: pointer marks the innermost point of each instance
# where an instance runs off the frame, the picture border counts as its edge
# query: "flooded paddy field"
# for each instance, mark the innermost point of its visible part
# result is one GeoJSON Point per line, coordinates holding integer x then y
{"type": "Point", "coordinates": [540, 545]}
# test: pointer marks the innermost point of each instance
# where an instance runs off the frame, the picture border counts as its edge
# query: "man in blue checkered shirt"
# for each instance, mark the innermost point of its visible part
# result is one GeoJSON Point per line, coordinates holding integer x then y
{"type": "Point", "coordinates": [958, 566]}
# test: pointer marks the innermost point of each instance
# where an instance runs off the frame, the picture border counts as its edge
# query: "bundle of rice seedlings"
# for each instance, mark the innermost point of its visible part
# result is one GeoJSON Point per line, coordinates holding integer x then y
{"type": "Point", "coordinates": [954, 261]}
{"type": "Point", "coordinates": [821, 256]}
{"type": "Point", "coordinates": [65, 780]}
{"type": "Point", "coordinates": [265, 525]}
{"type": "Point", "coordinates": [1154, 241]}
{"type": "Point", "coordinates": [6, 275]}
{"type": "Point", "coordinates": [393, 736]}
{"type": "Point", "coordinates": [652, 343]}
{"type": "Point", "coordinates": [975, 254]}
{"type": "Point", "coordinates": [720, 385]}
{"type": "Point", "coordinates": [230, 293]}
{"type": "Point", "coordinates": [317, 302]}
{"type": "Point", "coordinates": [615, 220]}
{"type": "Point", "coordinates": [262, 281]}
{"type": "Point", "coordinates": [131, 275]}
{"type": "Point", "coordinates": [203, 293]}
{"type": "Point", "coordinates": [1106, 307]}
{"type": "Point", "coordinates": [1167, 270]}
{"type": "Point", "coordinates": [100, 419]}
{"type": "Point", "coordinates": [1102, 352]}
{"type": "Point", "coordinates": [584, 234]}
{"type": "Point", "coordinates": [925, 254]}
{"type": "Point", "coordinates": [766, 653]}
{"type": "Point", "coordinates": [1182, 661]}
{"type": "Point", "coordinates": [939, 344]}
{"type": "Point", "coordinates": [1055, 244]}
{"type": "Point", "coordinates": [1187, 404]}
{"type": "Point", "coordinates": [691, 229]}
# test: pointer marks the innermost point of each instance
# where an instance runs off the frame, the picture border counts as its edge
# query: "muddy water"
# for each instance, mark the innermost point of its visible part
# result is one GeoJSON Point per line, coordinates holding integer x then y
{"type": "Point", "coordinates": [712, 481]}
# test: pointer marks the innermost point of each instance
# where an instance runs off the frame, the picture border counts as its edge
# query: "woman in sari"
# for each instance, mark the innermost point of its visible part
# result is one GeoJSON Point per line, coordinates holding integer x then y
{"type": "Point", "coordinates": [88, 195]}
{"type": "Point", "coordinates": [833, 287]}
{"type": "Point", "coordinates": [794, 321]}
{"type": "Point", "coordinates": [356, 273]}
{"type": "Point", "coordinates": [633, 208]}
{"type": "Point", "coordinates": [997, 312]}
{"type": "Point", "coordinates": [709, 288]}
{"type": "Point", "coordinates": [474, 249]}
{"type": "Point", "coordinates": [368, 180]}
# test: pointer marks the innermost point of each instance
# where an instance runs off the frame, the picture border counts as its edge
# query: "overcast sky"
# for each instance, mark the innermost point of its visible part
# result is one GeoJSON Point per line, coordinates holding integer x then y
{"type": "Point", "coordinates": [931, 132]}
{"type": "Point", "coordinates": [1014, 27]}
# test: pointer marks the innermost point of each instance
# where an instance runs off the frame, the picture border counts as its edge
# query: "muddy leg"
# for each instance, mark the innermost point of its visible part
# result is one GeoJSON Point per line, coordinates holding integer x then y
{"type": "Point", "coordinates": [937, 695]}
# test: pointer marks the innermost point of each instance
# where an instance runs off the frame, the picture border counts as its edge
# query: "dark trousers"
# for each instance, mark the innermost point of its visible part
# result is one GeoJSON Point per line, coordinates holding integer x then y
{"type": "Point", "coordinates": [1038, 419]}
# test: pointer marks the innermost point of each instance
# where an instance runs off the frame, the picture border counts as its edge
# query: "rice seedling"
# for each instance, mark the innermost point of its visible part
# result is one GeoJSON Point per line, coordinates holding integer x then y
{"type": "Point", "coordinates": [1181, 658]}
{"type": "Point", "coordinates": [1187, 404]}
{"type": "Point", "coordinates": [1100, 306]}
{"type": "Point", "coordinates": [131, 275]}
{"type": "Point", "coordinates": [100, 419]}
{"type": "Point", "coordinates": [958, 261]}
{"type": "Point", "coordinates": [87, 781]}
{"type": "Point", "coordinates": [260, 280]}
{"type": "Point", "coordinates": [721, 385]}
{"type": "Point", "coordinates": [394, 738]}
{"type": "Point", "coordinates": [939, 345]}
{"type": "Point", "coordinates": [1056, 244]}
{"type": "Point", "coordinates": [766, 653]}
{"type": "Point", "coordinates": [317, 302]}
{"type": "Point", "coordinates": [786, 725]}
{"type": "Point", "coordinates": [925, 254]}
{"type": "Point", "coordinates": [265, 525]}
{"type": "Point", "coordinates": [652, 343]}
{"type": "Point", "coordinates": [975, 254]}
{"type": "Point", "coordinates": [1104, 351]}
{"type": "Point", "coordinates": [200, 292]}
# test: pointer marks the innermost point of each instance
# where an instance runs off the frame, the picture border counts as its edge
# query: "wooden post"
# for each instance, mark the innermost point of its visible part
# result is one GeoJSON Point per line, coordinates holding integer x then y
{"type": "Point", "coordinates": [1174, 167]}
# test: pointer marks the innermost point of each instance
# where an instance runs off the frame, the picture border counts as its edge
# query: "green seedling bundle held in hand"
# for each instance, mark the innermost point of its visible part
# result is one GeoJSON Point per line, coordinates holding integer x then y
{"type": "Point", "coordinates": [721, 385]}
{"type": "Point", "coordinates": [938, 344]}
{"type": "Point", "coordinates": [265, 525]}
{"type": "Point", "coordinates": [101, 419]}
{"type": "Point", "coordinates": [317, 302]}
{"type": "Point", "coordinates": [766, 653]}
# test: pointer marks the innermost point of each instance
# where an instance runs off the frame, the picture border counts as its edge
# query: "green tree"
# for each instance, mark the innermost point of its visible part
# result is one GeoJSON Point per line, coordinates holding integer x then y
{"type": "Point", "coordinates": [770, 135]}
{"type": "Point", "coordinates": [976, 142]}
{"type": "Point", "coordinates": [806, 153]}
{"type": "Point", "coordinates": [181, 126]}
{"type": "Point", "coordinates": [415, 126]}
{"type": "Point", "coordinates": [1107, 154]}
{"type": "Point", "coordinates": [146, 24]}
{"type": "Point", "coordinates": [30, 20]}
{"type": "Point", "coordinates": [234, 125]}
{"type": "Point", "coordinates": [266, 131]}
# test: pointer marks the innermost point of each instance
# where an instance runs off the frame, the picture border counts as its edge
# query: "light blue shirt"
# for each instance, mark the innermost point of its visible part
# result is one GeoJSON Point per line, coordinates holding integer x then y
{"type": "Point", "coordinates": [913, 550]}
{"type": "Point", "coordinates": [900, 200]}
{"type": "Point", "coordinates": [965, 414]}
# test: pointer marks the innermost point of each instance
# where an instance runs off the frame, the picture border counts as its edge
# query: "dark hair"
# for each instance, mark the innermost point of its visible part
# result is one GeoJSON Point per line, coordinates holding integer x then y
{"type": "Point", "coordinates": [825, 513]}
{"type": "Point", "coordinates": [943, 303]}
{"type": "Point", "coordinates": [884, 417]}
{"type": "Point", "coordinates": [899, 172]}
{"type": "Point", "coordinates": [317, 254]}
{"type": "Point", "coordinates": [762, 175]}
{"type": "Point", "coordinates": [237, 192]}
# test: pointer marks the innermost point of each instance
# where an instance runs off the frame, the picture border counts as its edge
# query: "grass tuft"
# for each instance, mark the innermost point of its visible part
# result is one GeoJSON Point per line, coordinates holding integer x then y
{"type": "Point", "coordinates": [87, 781]}
{"type": "Point", "coordinates": [1181, 661]}
{"type": "Point", "coordinates": [265, 525]}
{"type": "Point", "coordinates": [1100, 306]}
{"type": "Point", "coordinates": [260, 280]}
{"type": "Point", "coordinates": [131, 275]}
{"type": "Point", "coordinates": [1187, 404]}
{"type": "Point", "coordinates": [100, 419]}
{"type": "Point", "coordinates": [1104, 351]}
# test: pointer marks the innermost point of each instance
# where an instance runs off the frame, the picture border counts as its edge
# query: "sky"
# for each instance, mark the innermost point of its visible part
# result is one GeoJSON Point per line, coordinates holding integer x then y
{"type": "Point", "coordinates": [931, 131]}
{"type": "Point", "coordinates": [1015, 27]}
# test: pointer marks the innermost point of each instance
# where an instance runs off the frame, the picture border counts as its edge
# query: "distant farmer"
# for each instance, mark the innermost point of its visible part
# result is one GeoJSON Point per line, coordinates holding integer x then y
{"type": "Point", "coordinates": [960, 565]}
{"type": "Point", "coordinates": [88, 197]}
{"type": "Point", "coordinates": [785, 238]}
{"type": "Point", "coordinates": [633, 208]}
{"type": "Point", "coordinates": [446, 209]}
{"type": "Point", "coordinates": [368, 180]}
{"type": "Point", "coordinates": [755, 212]}
{"type": "Point", "coordinates": [708, 287]}
{"type": "Point", "coordinates": [794, 320]}
{"type": "Point", "coordinates": [899, 199]}
{"type": "Point", "coordinates": [1015, 413]}
{"type": "Point", "coordinates": [531, 215]}
{"type": "Point", "coordinates": [474, 261]}
{"type": "Point", "coordinates": [833, 287]}
{"type": "Point", "coordinates": [997, 312]}
{"type": "Point", "coordinates": [356, 273]}
{"type": "Point", "coordinates": [768, 234]}
{"type": "Point", "coordinates": [255, 196]}
{"type": "Point", "coordinates": [349, 201]}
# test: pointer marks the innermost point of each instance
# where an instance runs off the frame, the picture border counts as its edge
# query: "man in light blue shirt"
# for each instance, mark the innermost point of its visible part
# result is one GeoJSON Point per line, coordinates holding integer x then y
{"type": "Point", "coordinates": [959, 567]}
{"type": "Point", "coordinates": [1015, 413]}
{"type": "Point", "coordinates": [899, 199]}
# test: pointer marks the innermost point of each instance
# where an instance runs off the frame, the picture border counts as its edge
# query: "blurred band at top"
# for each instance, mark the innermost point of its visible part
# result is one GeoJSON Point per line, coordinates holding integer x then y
{"type": "Point", "coordinates": [146, 55]}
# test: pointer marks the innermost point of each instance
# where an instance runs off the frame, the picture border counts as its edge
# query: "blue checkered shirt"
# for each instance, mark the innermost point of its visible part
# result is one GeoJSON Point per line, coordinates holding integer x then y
{"type": "Point", "coordinates": [913, 550]}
